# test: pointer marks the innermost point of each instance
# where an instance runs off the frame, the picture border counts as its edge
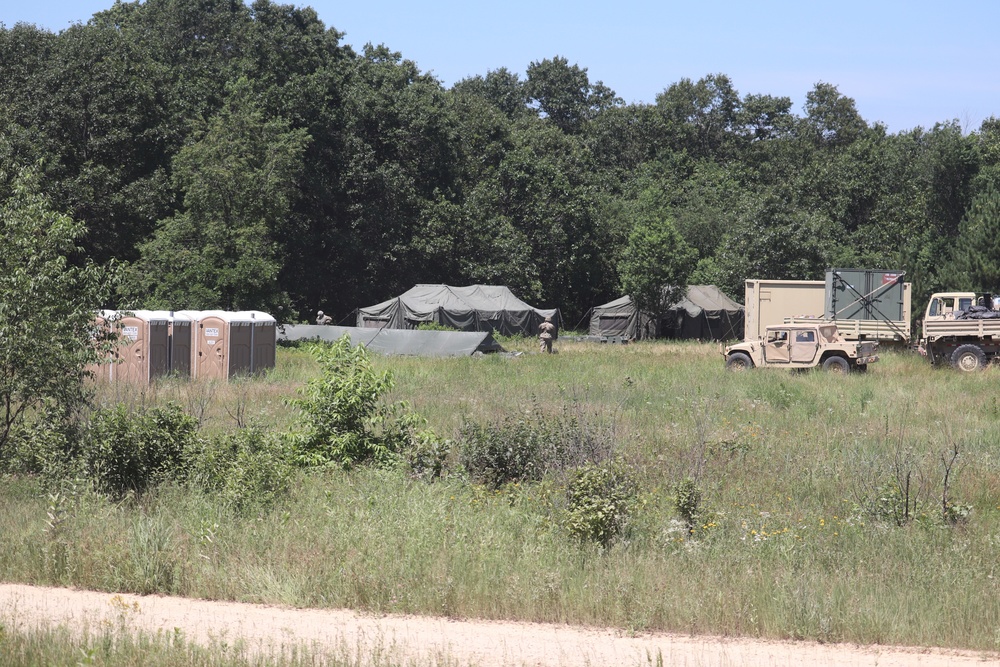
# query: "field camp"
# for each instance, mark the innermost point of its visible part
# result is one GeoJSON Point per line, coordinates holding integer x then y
{"type": "Point", "coordinates": [290, 326]}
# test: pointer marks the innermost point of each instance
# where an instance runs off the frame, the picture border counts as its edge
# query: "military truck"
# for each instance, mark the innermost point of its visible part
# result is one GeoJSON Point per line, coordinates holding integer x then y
{"type": "Point", "coordinates": [802, 346]}
{"type": "Point", "coordinates": [961, 329]}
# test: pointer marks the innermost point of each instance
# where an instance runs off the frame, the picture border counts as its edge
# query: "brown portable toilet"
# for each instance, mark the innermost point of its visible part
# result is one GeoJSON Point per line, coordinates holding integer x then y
{"type": "Point", "coordinates": [179, 350]}
{"type": "Point", "coordinates": [264, 338]}
{"type": "Point", "coordinates": [144, 352]}
{"type": "Point", "coordinates": [222, 344]}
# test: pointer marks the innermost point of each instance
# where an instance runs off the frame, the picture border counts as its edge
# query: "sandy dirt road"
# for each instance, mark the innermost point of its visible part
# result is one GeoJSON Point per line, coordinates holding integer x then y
{"type": "Point", "coordinates": [429, 641]}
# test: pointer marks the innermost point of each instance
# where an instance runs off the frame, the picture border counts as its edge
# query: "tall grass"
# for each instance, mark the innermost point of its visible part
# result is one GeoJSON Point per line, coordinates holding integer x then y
{"type": "Point", "coordinates": [783, 547]}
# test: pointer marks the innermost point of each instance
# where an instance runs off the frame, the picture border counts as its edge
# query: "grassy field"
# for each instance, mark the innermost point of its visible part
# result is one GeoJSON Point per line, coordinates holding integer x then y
{"type": "Point", "coordinates": [800, 530]}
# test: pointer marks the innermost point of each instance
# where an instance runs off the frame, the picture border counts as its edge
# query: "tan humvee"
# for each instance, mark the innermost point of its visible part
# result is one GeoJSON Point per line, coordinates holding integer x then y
{"type": "Point", "coordinates": [802, 346]}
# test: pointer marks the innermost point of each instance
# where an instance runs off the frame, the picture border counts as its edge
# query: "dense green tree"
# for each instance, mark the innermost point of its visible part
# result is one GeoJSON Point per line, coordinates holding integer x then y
{"type": "Point", "coordinates": [975, 257]}
{"type": "Point", "coordinates": [701, 116]}
{"type": "Point", "coordinates": [239, 183]}
{"type": "Point", "coordinates": [48, 299]}
{"type": "Point", "coordinates": [564, 94]}
{"type": "Point", "coordinates": [656, 263]}
{"type": "Point", "coordinates": [831, 118]}
{"type": "Point", "coordinates": [773, 239]}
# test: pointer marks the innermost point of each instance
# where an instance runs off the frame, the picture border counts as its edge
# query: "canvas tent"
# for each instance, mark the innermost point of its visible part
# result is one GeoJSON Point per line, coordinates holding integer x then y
{"type": "Point", "coordinates": [472, 308]}
{"type": "Point", "coordinates": [704, 313]}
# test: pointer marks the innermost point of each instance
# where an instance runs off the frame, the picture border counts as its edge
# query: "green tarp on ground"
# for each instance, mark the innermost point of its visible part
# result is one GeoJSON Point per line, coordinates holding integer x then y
{"type": "Point", "coordinates": [704, 313]}
{"type": "Point", "coordinates": [398, 341]}
{"type": "Point", "coordinates": [471, 308]}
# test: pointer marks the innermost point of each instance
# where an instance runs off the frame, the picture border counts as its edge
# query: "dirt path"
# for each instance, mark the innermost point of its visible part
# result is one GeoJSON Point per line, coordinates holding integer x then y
{"type": "Point", "coordinates": [425, 641]}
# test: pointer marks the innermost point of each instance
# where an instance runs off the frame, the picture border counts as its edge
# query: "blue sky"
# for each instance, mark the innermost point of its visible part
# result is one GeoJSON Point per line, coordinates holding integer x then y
{"type": "Point", "coordinates": [905, 63]}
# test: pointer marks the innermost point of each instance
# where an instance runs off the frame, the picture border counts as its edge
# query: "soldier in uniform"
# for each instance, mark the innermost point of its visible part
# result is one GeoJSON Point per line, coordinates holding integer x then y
{"type": "Point", "coordinates": [546, 332]}
{"type": "Point", "coordinates": [323, 319]}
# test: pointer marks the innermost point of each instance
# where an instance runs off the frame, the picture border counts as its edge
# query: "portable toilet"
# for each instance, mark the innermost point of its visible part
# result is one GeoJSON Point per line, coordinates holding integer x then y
{"type": "Point", "coordinates": [221, 344]}
{"type": "Point", "coordinates": [144, 352]}
{"type": "Point", "coordinates": [264, 337]}
{"type": "Point", "coordinates": [179, 342]}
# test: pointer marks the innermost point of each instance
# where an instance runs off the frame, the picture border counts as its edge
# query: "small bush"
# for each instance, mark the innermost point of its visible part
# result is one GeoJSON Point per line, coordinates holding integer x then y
{"type": "Point", "coordinates": [601, 500]}
{"type": "Point", "coordinates": [527, 447]}
{"type": "Point", "coordinates": [248, 469]}
{"type": "Point", "coordinates": [46, 446]}
{"type": "Point", "coordinates": [427, 455]}
{"type": "Point", "coordinates": [687, 502]}
{"type": "Point", "coordinates": [344, 418]}
{"type": "Point", "coordinates": [126, 451]}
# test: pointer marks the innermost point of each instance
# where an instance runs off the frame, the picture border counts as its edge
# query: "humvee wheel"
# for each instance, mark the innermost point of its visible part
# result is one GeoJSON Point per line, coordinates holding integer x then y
{"type": "Point", "coordinates": [836, 365]}
{"type": "Point", "coordinates": [738, 361]}
{"type": "Point", "coordinates": [968, 358]}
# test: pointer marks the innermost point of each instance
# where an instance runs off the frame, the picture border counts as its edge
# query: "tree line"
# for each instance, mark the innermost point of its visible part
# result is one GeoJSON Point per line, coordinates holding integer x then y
{"type": "Point", "coordinates": [243, 157]}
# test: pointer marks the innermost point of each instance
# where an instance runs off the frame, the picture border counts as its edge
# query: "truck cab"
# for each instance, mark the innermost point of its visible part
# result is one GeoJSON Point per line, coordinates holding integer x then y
{"type": "Point", "coordinates": [802, 346]}
{"type": "Point", "coordinates": [944, 305]}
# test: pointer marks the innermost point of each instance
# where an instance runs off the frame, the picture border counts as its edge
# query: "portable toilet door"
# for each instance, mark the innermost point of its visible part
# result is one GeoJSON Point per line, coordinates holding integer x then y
{"type": "Point", "coordinates": [178, 342]}
{"type": "Point", "coordinates": [241, 332]}
{"type": "Point", "coordinates": [180, 346]}
{"type": "Point", "coordinates": [143, 354]}
{"type": "Point", "coordinates": [264, 330]}
{"type": "Point", "coordinates": [209, 343]}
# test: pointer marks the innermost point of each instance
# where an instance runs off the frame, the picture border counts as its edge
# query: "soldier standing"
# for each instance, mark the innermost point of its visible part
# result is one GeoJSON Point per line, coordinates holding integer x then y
{"type": "Point", "coordinates": [546, 332]}
{"type": "Point", "coordinates": [323, 319]}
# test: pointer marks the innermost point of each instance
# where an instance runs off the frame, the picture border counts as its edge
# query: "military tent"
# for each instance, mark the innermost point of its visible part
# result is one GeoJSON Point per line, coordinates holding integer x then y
{"type": "Point", "coordinates": [472, 308]}
{"type": "Point", "coordinates": [704, 313]}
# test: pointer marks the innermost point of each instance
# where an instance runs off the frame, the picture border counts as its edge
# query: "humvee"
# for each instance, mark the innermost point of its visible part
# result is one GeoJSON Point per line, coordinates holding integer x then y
{"type": "Point", "coordinates": [802, 346]}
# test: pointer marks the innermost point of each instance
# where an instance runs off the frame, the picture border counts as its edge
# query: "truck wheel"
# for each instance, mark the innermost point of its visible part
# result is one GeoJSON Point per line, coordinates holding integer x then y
{"type": "Point", "coordinates": [968, 358]}
{"type": "Point", "coordinates": [836, 365]}
{"type": "Point", "coordinates": [737, 361]}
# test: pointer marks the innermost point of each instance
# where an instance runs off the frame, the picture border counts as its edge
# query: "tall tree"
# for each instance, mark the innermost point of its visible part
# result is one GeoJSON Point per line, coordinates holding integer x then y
{"type": "Point", "coordinates": [975, 263]}
{"type": "Point", "coordinates": [656, 263]}
{"type": "Point", "coordinates": [239, 183]}
{"type": "Point", "coordinates": [48, 297]}
{"type": "Point", "coordinates": [564, 94]}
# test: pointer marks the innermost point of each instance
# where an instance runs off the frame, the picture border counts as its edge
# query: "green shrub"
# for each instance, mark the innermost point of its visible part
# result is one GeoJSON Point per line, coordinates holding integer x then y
{"type": "Point", "coordinates": [687, 502]}
{"type": "Point", "coordinates": [434, 326]}
{"type": "Point", "coordinates": [601, 499]}
{"type": "Point", "coordinates": [427, 455]}
{"type": "Point", "coordinates": [46, 446]}
{"type": "Point", "coordinates": [248, 469]}
{"type": "Point", "coordinates": [344, 418]}
{"type": "Point", "coordinates": [530, 445]}
{"type": "Point", "coordinates": [125, 451]}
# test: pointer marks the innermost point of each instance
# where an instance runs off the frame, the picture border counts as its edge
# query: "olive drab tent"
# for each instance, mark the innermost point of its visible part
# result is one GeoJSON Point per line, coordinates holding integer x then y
{"type": "Point", "coordinates": [621, 318]}
{"type": "Point", "coordinates": [472, 308]}
{"type": "Point", "coordinates": [704, 313]}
